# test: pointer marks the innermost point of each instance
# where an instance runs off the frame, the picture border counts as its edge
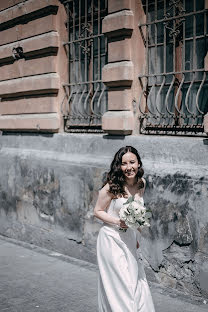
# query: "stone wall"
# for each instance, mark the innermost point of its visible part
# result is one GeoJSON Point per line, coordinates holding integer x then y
{"type": "Point", "coordinates": [49, 186]}
{"type": "Point", "coordinates": [126, 60]}
{"type": "Point", "coordinates": [33, 65]}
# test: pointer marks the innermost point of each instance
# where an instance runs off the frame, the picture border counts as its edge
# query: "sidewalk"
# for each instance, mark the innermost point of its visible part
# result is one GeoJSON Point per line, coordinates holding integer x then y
{"type": "Point", "coordinates": [35, 279]}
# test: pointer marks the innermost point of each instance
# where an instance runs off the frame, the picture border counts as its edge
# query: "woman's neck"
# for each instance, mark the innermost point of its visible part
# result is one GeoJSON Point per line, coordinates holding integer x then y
{"type": "Point", "coordinates": [131, 182]}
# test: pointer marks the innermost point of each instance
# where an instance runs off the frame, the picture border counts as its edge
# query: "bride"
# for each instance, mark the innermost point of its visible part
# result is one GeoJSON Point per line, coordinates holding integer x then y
{"type": "Point", "coordinates": [122, 285]}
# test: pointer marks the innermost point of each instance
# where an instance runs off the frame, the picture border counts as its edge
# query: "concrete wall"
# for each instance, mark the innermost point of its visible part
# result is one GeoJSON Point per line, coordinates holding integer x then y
{"type": "Point", "coordinates": [49, 185]}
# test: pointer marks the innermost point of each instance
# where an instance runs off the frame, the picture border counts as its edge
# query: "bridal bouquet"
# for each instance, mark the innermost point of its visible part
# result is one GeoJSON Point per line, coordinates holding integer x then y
{"type": "Point", "coordinates": [134, 214]}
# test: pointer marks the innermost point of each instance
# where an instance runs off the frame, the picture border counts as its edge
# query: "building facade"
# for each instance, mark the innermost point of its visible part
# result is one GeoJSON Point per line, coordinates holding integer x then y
{"type": "Point", "coordinates": [78, 80]}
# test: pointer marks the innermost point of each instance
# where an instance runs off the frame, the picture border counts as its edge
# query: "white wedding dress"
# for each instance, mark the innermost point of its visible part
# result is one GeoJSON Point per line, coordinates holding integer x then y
{"type": "Point", "coordinates": [122, 284]}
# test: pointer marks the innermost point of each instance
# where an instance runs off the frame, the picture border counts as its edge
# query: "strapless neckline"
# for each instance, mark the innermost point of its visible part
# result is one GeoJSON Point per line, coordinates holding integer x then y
{"type": "Point", "coordinates": [116, 205]}
{"type": "Point", "coordinates": [126, 198]}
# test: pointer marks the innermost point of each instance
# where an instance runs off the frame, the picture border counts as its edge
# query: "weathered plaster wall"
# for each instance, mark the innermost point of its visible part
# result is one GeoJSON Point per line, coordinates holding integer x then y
{"type": "Point", "coordinates": [49, 184]}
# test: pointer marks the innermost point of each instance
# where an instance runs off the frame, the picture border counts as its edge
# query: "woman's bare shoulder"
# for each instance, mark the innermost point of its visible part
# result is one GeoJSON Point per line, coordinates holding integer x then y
{"type": "Point", "coordinates": [105, 188]}
{"type": "Point", "coordinates": [105, 191]}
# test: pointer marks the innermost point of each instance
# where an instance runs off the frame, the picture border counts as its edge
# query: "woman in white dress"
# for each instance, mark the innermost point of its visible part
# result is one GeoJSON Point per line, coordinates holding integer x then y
{"type": "Point", "coordinates": [122, 285]}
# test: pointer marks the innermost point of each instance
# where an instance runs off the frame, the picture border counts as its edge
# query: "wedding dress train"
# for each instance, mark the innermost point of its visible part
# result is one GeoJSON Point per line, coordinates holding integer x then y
{"type": "Point", "coordinates": [122, 284]}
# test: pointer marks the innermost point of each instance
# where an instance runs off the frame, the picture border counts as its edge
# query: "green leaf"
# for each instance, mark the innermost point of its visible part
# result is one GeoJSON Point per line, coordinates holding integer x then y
{"type": "Point", "coordinates": [129, 200]}
{"type": "Point", "coordinates": [148, 215]}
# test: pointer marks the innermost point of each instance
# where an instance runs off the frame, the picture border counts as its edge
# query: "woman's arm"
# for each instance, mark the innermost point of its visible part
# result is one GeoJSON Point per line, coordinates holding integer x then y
{"type": "Point", "coordinates": [103, 201]}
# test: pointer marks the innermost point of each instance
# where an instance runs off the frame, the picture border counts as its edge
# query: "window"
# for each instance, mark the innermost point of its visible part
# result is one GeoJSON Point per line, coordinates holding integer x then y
{"type": "Point", "coordinates": [86, 99]}
{"type": "Point", "coordinates": [174, 87]}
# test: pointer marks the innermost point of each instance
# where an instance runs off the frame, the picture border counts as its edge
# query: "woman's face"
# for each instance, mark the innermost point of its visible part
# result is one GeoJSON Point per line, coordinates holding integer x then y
{"type": "Point", "coordinates": [129, 165]}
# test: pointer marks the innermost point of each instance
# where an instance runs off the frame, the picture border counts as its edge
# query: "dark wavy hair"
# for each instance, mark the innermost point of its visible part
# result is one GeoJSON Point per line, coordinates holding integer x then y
{"type": "Point", "coordinates": [115, 177]}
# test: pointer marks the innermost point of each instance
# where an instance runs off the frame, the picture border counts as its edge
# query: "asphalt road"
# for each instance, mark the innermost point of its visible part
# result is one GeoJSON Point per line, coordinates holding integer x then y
{"type": "Point", "coordinates": [33, 279]}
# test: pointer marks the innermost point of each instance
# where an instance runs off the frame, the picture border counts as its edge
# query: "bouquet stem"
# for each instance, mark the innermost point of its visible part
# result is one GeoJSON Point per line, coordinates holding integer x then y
{"type": "Point", "coordinates": [122, 230]}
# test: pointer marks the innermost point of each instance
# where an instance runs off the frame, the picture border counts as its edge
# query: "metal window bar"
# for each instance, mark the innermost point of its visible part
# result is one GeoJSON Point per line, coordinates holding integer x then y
{"type": "Point", "coordinates": [85, 96]}
{"type": "Point", "coordinates": [174, 97]}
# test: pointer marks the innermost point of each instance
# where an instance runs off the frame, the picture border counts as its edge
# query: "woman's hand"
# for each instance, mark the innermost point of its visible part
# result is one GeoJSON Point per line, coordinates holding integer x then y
{"type": "Point", "coordinates": [123, 225]}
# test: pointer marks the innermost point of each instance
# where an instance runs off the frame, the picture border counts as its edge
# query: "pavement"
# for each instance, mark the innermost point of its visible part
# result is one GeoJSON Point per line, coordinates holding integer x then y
{"type": "Point", "coordinates": [33, 279]}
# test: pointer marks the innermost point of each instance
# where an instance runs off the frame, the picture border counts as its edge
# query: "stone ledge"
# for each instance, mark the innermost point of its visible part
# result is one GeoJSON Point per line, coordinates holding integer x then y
{"type": "Point", "coordinates": [30, 45]}
{"type": "Point", "coordinates": [119, 50]}
{"type": "Point", "coordinates": [29, 85]}
{"type": "Point", "coordinates": [118, 122]}
{"type": "Point", "coordinates": [118, 74]}
{"type": "Point", "coordinates": [117, 5]}
{"type": "Point", "coordinates": [5, 4]}
{"type": "Point", "coordinates": [119, 23]}
{"type": "Point", "coordinates": [206, 62]}
{"type": "Point", "coordinates": [35, 122]}
{"type": "Point", "coordinates": [32, 28]}
{"type": "Point", "coordinates": [206, 124]}
{"type": "Point", "coordinates": [119, 99]}
{"type": "Point", "coordinates": [35, 105]}
{"type": "Point", "coordinates": [29, 67]}
{"type": "Point", "coordinates": [24, 8]}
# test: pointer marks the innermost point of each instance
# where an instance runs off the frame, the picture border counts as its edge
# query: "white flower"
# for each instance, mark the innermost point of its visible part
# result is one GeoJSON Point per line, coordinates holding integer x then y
{"type": "Point", "coordinates": [122, 214]}
{"type": "Point", "coordinates": [130, 219]}
{"type": "Point", "coordinates": [134, 214]}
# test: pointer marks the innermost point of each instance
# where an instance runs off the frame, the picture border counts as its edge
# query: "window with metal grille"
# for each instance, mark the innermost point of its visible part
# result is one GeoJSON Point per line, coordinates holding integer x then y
{"type": "Point", "coordinates": [86, 99]}
{"type": "Point", "coordinates": [174, 94]}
